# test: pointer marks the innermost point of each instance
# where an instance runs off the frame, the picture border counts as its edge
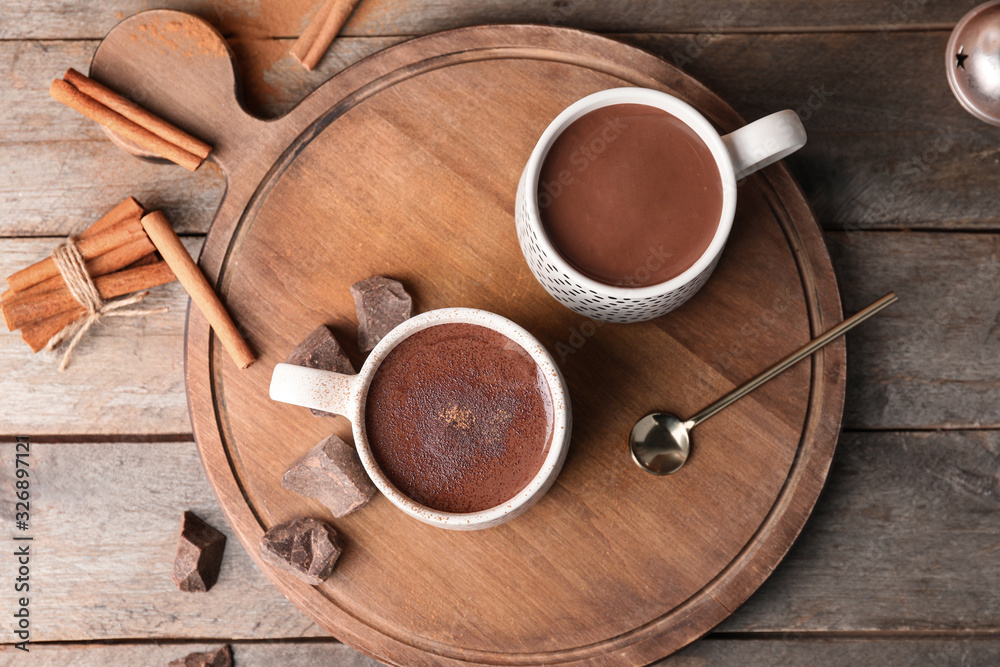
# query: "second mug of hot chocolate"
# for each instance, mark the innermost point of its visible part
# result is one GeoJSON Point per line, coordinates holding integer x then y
{"type": "Point", "coordinates": [460, 417]}
{"type": "Point", "coordinates": [627, 200]}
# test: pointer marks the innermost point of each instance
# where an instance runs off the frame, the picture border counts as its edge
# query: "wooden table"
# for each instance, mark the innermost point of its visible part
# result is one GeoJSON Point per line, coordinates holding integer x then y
{"type": "Point", "coordinates": [900, 563]}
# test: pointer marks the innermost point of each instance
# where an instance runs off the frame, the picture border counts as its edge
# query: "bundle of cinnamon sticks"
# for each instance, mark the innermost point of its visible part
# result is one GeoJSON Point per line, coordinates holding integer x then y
{"type": "Point", "coordinates": [119, 257]}
{"type": "Point", "coordinates": [120, 253]}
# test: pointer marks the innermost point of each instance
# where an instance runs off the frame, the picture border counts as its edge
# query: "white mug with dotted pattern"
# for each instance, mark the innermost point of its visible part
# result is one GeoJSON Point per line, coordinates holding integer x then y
{"type": "Point", "coordinates": [736, 154]}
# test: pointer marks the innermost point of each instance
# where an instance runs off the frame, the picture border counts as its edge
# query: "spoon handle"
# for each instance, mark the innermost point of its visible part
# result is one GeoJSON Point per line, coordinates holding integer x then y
{"type": "Point", "coordinates": [793, 358]}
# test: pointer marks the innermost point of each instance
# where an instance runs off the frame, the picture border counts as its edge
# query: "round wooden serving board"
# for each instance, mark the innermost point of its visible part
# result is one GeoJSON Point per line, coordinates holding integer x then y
{"type": "Point", "coordinates": [406, 165]}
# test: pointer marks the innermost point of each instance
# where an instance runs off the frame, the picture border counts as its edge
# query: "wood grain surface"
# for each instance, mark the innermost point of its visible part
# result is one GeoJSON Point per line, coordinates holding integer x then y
{"type": "Point", "coordinates": [919, 527]}
{"type": "Point", "coordinates": [406, 165]}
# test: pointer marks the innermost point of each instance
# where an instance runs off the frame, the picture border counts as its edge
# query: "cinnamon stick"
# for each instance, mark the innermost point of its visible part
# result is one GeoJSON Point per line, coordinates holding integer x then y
{"type": "Point", "coordinates": [21, 313]}
{"type": "Point", "coordinates": [37, 334]}
{"type": "Point", "coordinates": [109, 262]}
{"type": "Point", "coordinates": [75, 99]}
{"type": "Point", "coordinates": [129, 208]}
{"type": "Point", "coordinates": [151, 258]}
{"type": "Point", "coordinates": [99, 243]}
{"type": "Point", "coordinates": [137, 114]}
{"type": "Point", "coordinates": [301, 45]}
{"type": "Point", "coordinates": [316, 39]}
{"type": "Point", "coordinates": [198, 288]}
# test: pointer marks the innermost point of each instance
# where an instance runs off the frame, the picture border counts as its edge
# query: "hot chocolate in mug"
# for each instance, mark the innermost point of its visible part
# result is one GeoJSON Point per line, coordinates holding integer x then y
{"type": "Point", "coordinates": [460, 417]}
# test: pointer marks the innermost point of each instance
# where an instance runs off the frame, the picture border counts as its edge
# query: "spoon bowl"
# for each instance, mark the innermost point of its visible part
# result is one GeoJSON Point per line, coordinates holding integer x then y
{"type": "Point", "coordinates": [660, 443]}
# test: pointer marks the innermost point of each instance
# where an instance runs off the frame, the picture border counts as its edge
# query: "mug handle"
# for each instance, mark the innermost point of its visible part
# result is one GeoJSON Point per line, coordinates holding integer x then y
{"type": "Point", "coordinates": [765, 141]}
{"type": "Point", "coordinates": [312, 388]}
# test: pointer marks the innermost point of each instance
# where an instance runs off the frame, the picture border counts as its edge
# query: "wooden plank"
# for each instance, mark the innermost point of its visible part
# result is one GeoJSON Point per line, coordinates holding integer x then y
{"type": "Point", "coordinates": [898, 374]}
{"type": "Point", "coordinates": [781, 651]}
{"type": "Point", "coordinates": [792, 651]}
{"type": "Point", "coordinates": [916, 159]}
{"type": "Point", "coordinates": [105, 519]}
{"type": "Point", "coordinates": [57, 188]}
{"type": "Point", "coordinates": [265, 654]}
{"type": "Point", "coordinates": [933, 359]}
{"type": "Point", "coordinates": [126, 375]}
{"type": "Point", "coordinates": [904, 538]}
{"type": "Point", "coordinates": [59, 19]}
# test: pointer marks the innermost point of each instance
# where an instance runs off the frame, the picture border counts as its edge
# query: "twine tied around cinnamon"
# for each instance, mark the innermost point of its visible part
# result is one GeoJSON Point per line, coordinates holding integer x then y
{"type": "Point", "coordinates": [71, 265]}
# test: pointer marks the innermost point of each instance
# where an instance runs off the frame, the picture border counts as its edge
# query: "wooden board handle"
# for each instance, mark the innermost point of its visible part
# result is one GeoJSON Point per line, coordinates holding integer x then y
{"type": "Point", "coordinates": [180, 69]}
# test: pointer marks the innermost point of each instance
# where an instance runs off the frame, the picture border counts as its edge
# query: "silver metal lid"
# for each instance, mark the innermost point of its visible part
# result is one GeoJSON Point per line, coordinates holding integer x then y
{"type": "Point", "coordinates": [972, 61]}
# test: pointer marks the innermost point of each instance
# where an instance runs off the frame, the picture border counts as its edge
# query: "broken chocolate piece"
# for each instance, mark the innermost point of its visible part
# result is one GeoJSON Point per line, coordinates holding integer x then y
{"type": "Point", "coordinates": [331, 472]}
{"type": "Point", "coordinates": [321, 350]}
{"type": "Point", "coordinates": [306, 548]}
{"type": "Point", "coordinates": [382, 305]}
{"type": "Point", "coordinates": [221, 657]}
{"type": "Point", "coordinates": [199, 555]}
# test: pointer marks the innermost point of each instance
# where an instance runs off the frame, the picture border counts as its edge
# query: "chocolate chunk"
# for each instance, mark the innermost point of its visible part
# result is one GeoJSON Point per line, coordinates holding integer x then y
{"type": "Point", "coordinates": [382, 305]}
{"type": "Point", "coordinates": [331, 472]}
{"type": "Point", "coordinates": [321, 350]}
{"type": "Point", "coordinates": [199, 555]}
{"type": "Point", "coordinates": [221, 657]}
{"type": "Point", "coordinates": [306, 548]}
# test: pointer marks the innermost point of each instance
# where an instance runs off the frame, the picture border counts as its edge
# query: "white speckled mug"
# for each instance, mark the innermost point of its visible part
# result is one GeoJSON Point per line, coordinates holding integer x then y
{"type": "Point", "coordinates": [736, 154]}
{"type": "Point", "coordinates": [346, 395]}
